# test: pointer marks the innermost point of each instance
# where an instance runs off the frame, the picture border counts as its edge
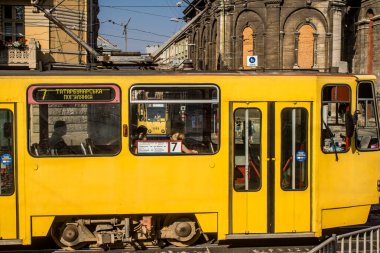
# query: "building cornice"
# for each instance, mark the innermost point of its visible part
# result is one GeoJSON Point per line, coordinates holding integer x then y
{"type": "Point", "coordinates": [272, 2]}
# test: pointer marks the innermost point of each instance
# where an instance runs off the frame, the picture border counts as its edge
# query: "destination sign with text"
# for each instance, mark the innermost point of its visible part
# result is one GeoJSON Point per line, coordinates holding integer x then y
{"type": "Point", "coordinates": [73, 94]}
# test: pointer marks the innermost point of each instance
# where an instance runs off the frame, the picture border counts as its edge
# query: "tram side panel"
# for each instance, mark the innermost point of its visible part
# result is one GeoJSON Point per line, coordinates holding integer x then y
{"type": "Point", "coordinates": [347, 173]}
{"type": "Point", "coordinates": [52, 185]}
{"type": "Point", "coordinates": [124, 183]}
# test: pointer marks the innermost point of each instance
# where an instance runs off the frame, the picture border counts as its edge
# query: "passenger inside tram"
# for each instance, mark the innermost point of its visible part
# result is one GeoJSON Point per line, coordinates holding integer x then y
{"type": "Point", "coordinates": [56, 143]}
{"type": "Point", "coordinates": [181, 137]}
{"type": "Point", "coordinates": [140, 135]}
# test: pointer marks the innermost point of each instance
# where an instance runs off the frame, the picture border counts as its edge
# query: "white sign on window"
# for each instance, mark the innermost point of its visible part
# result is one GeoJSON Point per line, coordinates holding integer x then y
{"type": "Point", "coordinates": [159, 147]}
{"type": "Point", "coordinates": [152, 147]}
{"type": "Point", "coordinates": [252, 61]}
{"type": "Point", "coordinates": [175, 147]}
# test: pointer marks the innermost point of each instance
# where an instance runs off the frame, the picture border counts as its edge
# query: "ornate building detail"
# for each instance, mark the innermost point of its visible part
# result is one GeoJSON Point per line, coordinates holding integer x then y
{"type": "Point", "coordinates": [333, 35]}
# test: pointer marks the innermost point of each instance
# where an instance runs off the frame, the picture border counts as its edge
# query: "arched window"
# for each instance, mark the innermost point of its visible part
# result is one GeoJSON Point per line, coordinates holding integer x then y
{"type": "Point", "coordinates": [248, 45]}
{"type": "Point", "coordinates": [306, 47]}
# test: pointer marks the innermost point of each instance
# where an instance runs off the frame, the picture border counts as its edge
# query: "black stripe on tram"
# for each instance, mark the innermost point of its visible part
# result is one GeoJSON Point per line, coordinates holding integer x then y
{"type": "Point", "coordinates": [270, 167]}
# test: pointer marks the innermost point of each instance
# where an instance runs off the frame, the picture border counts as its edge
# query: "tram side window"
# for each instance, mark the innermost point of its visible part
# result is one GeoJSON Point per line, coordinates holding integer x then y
{"type": "Point", "coordinates": [294, 145]}
{"type": "Point", "coordinates": [336, 101]}
{"type": "Point", "coordinates": [247, 149]}
{"type": "Point", "coordinates": [84, 124]}
{"type": "Point", "coordinates": [6, 153]}
{"type": "Point", "coordinates": [174, 120]}
{"type": "Point", "coordinates": [367, 137]}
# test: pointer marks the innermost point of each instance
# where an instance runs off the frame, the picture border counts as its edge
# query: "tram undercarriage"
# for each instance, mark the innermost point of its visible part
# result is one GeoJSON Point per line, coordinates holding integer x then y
{"type": "Point", "coordinates": [139, 232]}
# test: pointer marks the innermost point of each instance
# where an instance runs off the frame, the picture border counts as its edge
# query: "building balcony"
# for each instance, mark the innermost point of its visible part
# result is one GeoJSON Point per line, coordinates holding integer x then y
{"type": "Point", "coordinates": [20, 57]}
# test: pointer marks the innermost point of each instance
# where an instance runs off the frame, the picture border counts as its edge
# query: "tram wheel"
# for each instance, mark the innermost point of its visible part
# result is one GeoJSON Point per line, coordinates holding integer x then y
{"type": "Point", "coordinates": [188, 234]}
{"type": "Point", "coordinates": [66, 236]}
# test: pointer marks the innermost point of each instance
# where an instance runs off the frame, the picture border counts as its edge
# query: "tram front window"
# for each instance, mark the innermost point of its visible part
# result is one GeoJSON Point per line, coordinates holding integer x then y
{"type": "Point", "coordinates": [156, 112]}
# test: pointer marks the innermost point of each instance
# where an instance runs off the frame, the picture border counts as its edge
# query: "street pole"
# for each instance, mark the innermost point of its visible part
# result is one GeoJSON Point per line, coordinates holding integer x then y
{"type": "Point", "coordinates": [126, 34]}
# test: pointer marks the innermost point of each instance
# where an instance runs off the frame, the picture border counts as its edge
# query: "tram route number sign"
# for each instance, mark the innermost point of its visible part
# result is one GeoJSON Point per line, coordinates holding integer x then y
{"type": "Point", "coordinates": [252, 61]}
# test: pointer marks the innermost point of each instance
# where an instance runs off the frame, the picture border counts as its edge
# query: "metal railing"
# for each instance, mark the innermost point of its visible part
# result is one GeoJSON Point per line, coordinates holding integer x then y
{"type": "Point", "coordinates": [361, 241]}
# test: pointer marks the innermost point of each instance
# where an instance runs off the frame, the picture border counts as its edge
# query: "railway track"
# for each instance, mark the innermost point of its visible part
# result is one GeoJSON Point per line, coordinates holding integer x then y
{"type": "Point", "coordinates": [198, 249]}
{"type": "Point", "coordinates": [262, 246]}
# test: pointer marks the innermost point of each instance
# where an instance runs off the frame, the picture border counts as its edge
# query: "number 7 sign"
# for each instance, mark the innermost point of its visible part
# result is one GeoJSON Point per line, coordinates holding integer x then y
{"type": "Point", "coordinates": [175, 147]}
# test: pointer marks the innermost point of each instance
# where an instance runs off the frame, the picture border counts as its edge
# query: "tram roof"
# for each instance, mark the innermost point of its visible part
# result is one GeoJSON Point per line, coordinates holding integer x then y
{"type": "Point", "coordinates": [172, 73]}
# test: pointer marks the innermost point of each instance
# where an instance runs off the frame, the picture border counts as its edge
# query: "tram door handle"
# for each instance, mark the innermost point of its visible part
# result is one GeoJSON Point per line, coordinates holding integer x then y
{"type": "Point", "coordinates": [125, 130]}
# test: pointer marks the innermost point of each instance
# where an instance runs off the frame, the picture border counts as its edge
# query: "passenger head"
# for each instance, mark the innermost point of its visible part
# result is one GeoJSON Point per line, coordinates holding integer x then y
{"type": "Point", "coordinates": [178, 136]}
{"type": "Point", "coordinates": [60, 127]}
{"type": "Point", "coordinates": [141, 132]}
{"type": "Point", "coordinates": [181, 136]}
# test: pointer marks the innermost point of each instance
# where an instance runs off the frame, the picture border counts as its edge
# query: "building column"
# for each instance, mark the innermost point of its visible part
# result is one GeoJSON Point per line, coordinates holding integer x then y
{"type": "Point", "coordinates": [336, 9]}
{"type": "Point", "coordinates": [361, 46]}
{"type": "Point", "coordinates": [315, 53]}
{"type": "Point", "coordinates": [222, 32]}
{"type": "Point", "coordinates": [233, 49]}
{"type": "Point", "coordinates": [296, 43]}
{"type": "Point", "coordinates": [225, 15]}
{"type": "Point", "coordinates": [272, 47]}
{"type": "Point", "coordinates": [239, 51]}
{"type": "Point", "coordinates": [376, 48]}
{"type": "Point", "coordinates": [281, 63]}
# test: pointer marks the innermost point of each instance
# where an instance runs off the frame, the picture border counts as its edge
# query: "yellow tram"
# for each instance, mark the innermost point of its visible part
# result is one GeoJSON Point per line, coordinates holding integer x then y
{"type": "Point", "coordinates": [272, 156]}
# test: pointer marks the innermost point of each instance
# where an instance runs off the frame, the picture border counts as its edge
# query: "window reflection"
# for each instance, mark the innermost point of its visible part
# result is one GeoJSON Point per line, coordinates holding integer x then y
{"type": "Point", "coordinates": [367, 137]}
{"type": "Point", "coordinates": [247, 149]}
{"type": "Point", "coordinates": [6, 153]}
{"type": "Point", "coordinates": [178, 120]}
{"type": "Point", "coordinates": [294, 153]}
{"type": "Point", "coordinates": [335, 103]}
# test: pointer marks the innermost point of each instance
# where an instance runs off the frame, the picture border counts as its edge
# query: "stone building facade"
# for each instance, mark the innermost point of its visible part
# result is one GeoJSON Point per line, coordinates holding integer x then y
{"type": "Point", "coordinates": [283, 34]}
{"type": "Point", "coordinates": [320, 35]}
{"type": "Point", "coordinates": [363, 28]}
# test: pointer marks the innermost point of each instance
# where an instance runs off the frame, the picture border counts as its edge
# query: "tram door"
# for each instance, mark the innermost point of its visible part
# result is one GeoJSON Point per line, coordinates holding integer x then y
{"type": "Point", "coordinates": [8, 212]}
{"type": "Point", "coordinates": [270, 168]}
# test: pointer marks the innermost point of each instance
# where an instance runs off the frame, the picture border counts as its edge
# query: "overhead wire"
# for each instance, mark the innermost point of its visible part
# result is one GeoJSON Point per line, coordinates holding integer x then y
{"type": "Point", "coordinates": [126, 8]}
{"type": "Point", "coordinates": [117, 36]}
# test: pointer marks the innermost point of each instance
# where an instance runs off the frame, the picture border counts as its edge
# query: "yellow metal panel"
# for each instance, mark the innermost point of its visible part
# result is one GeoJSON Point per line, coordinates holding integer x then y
{"type": "Point", "coordinates": [41, 225]}
{"type": "Point", "coordinates": [345, 216]}
{"type": "Point", "coordinates": [8, 217]}
{"type": "Point", "coordinates": [208, 222]}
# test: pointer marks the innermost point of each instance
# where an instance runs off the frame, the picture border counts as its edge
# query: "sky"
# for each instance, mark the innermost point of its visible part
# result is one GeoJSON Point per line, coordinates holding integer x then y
{"type": "Point", "coordinates": [150, 22]}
